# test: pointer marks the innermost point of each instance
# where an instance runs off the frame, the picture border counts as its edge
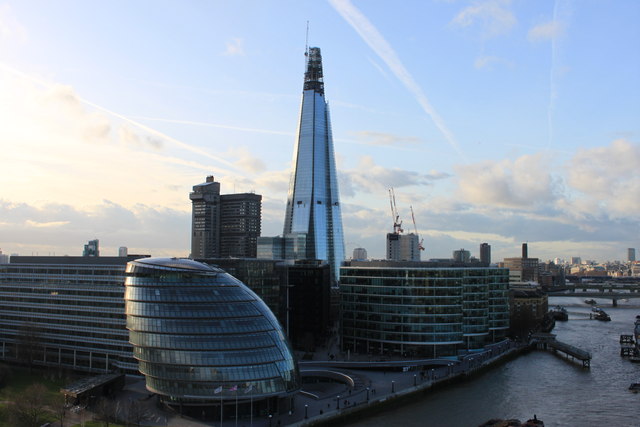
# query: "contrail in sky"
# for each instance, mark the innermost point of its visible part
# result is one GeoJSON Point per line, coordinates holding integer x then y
{"type": "Point", "coordinates": [126, 119]}
{"type": "Point", "coordinates": [553, 73]}
{"type": "Point", "coordinates": [383, 49]}
{"type": "Point", "coordinates": [216, 125]}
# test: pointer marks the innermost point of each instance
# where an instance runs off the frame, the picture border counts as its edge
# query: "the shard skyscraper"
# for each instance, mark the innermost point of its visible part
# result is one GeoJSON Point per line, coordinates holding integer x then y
{"type": "Point", "coordinates": [313, 222]}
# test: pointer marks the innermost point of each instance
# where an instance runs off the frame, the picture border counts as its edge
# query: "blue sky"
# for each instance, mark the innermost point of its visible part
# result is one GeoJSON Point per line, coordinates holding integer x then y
{"type": "Point", "coordinates": [498, 121]}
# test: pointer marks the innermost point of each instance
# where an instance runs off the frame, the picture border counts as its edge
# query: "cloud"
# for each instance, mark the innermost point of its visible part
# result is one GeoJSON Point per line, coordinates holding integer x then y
{"type": "Point", "coordinates": [522, 183]}
{"type": "Point", "coordinates": [385, 51]}
{"type": "Point", "coordinates": [546, 31]}
{"type": "Point", "coordinates": [385, 139]}
{"type": "Point", "coordinates": [485, 61]}
{"type": "Point", "coordinates": [494, 16]}
{"type": "Point", "coordinates": [11, 30]}
{"type": "Point", "coordinates": [369, 177]}
{"type": "Point", "coordinates": [608, 178]}
{"type": "Point", "coordinates": [129, 137]}
{"type": "Point", "coordinates": [235, 47]}
{"type": "Point", "coordinates": [61, 227]}
{"type": "Point", "coordinates": [245, 160]}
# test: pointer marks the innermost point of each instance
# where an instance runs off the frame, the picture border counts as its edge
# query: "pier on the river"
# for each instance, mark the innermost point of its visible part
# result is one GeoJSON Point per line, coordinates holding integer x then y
{"type": "Point", "coordinates": [549, 342]}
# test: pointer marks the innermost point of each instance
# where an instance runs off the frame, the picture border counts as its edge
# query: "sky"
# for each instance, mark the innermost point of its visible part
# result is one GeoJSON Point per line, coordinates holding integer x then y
{"type": "Point", "coordinates": [496, 121]}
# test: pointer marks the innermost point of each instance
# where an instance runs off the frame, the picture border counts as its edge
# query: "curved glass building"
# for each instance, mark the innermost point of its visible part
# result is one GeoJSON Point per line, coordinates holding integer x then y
{"type": "Point", "coordinates": [202, 338]}
{"type": "Point", "coordinates": [421, 311]}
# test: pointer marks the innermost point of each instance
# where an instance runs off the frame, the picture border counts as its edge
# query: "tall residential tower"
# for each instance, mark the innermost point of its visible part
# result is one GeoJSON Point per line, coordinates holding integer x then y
{"type": "Point", "coordinates": [313, 220]}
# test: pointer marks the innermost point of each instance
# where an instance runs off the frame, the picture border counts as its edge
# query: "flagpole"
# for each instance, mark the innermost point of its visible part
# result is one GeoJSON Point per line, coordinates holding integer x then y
{"type": "Point", "coordinates": [251, 407]}
{"type": "Point", "coordinates": [236, 407]}
{"type": "Point", "coordinates": [221, 408]}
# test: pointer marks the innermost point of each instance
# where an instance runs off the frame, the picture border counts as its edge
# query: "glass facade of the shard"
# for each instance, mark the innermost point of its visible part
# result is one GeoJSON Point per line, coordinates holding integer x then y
{"type": "Point", "coordinates": [313, 203]}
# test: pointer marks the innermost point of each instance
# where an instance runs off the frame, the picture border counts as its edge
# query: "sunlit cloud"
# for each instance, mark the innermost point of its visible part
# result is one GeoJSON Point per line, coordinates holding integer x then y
{"type": "Point", "coordinates": [215, 125]}
{"type": "Point", "coordinates": [385, 139]}
{"type": "Point", "coordinates": [385, 51]}
{"type": "Point", "coordinates": [494, 17]}
{"type": "Point", "coordinates": [546, 31]}
{"type": "Point", "coordinates": [12, 32]}
{"type": "Point", "coordinates": [235, 47]}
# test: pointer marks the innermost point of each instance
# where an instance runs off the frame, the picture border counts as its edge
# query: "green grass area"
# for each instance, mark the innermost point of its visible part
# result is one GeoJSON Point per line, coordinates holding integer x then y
{"type": "Point", "coordinates": [20, 378]}
{"type": "Point", "coordinates": [94, 423]}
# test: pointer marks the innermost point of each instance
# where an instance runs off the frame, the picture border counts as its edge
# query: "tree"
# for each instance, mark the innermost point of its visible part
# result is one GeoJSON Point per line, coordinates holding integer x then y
{"type": "Point", "coordinates": [58, 405]}
{"type": "Point", "coordinates": [29, 406]}
{"type": "Point", "coordinates": [105, 410]}
{"type": "Point", "coordinates": [5, 373]}
{"type": "Point", "coordinates": [135, 413]}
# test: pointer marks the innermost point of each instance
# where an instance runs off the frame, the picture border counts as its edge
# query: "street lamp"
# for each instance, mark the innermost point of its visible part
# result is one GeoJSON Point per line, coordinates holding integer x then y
{"type": "Point", "coordinates": [306, 411]}
{"type": "Point", "coordinates": [367, 394]}
{"type": "Point", "coordinates": [270, 416]}
{"type": "Point", "coordinates": [393, 386]}
{"type": "Point", "coordinates": [414, 380]}
{"type": "Point", "coordinates": [338, 400]}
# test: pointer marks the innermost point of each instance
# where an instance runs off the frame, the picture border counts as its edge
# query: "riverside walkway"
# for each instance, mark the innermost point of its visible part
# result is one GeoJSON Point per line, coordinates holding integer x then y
{"type": "Point", "coordinates": [367, 386]}
{"type": "Point", "coordinates": [549, 342]}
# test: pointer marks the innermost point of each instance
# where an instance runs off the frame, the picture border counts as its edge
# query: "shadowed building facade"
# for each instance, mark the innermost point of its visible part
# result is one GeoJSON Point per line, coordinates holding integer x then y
{"type": "Point", "coordinates": [224, 225]}
{"type": "Point", "coordinates": [313, 221]}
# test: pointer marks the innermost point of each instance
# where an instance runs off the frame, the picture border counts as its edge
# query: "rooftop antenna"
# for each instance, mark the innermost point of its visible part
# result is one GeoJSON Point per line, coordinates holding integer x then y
{"type": "Point", "coordinates": [306, 42]}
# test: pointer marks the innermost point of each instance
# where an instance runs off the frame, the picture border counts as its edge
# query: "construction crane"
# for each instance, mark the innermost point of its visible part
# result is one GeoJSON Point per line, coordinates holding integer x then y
{"type": "Point", "coordinates": [397, 224]}
{"type": "Point", "coordinates": [413, 218]}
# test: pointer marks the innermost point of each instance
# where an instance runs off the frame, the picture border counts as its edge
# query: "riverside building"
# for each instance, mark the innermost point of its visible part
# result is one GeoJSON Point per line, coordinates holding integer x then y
{"type": "Point", "coordinates": [424, 309]}
{"type": "Point", "coordinates": [65, 312]}
{"type": "Point", "coordinates": [205, 342]}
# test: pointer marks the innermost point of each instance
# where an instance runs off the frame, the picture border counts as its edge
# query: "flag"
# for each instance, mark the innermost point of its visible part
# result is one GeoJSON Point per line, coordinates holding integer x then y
{"type": "Point", "coordinates": [234, 388]}
{"type": "Point", "coordinates": [217, 390]}
{"type": "Point", "coordinates": [248, 389]}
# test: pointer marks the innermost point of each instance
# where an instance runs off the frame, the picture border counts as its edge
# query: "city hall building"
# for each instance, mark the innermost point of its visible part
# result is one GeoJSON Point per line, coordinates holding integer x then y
{"type": "Point", "coordinates": [421, 309]}
{"type": "Point", "coordinates": [203, 339]}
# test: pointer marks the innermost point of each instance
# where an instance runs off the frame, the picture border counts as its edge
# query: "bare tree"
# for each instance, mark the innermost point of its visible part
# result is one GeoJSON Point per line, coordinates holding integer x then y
{"type": "Point", "coordinates": [29, 406]}
{"type": "Point", "coordinates": [58, 405]}
{"type": "Point", "coordinates": [105, 410]}
{"type": "Point", "coordinates": [5, 373]}
{"type": "Point", "coordinates": [135, 413]}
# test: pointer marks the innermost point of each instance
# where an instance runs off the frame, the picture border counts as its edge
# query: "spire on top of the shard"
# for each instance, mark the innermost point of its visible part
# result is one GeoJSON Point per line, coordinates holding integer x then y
{"type": "Point", "coordinates": [313, 75]}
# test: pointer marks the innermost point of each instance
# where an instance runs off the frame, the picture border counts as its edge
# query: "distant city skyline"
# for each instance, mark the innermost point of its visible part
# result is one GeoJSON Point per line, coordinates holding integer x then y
{"type": "Point", "coordinates": [500, 122]}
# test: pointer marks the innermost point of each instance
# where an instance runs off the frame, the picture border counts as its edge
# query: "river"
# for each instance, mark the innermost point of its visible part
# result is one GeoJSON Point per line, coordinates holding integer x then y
{"type": "Point", "coordinates": [559, 392]}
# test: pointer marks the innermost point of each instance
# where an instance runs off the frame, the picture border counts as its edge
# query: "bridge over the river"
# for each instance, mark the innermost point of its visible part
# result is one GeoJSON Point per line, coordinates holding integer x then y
{"type": "Point", "coordinates": [607, 290]}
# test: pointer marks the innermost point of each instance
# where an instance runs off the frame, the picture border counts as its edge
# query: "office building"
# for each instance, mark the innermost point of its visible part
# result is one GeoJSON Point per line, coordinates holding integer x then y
{"type": "Point", "coordinates": [421, 309]}
{"type": "Point", "coordinates": [485, 253]}
{"type": "Point", "coordinates": [226, 225]}
{"type": "Point", "coordinates": [523, 269]}
{"type": "Point", "coordinates": [204, 340]}
{"type": "Point", "coordinates": [298, 293]}
{"type": "Point", "coordinates": [123, 251]}
{"type": "Point", "coordinates": [461, 255]}
{"type": "Point", "coordinates": [65, 312]}
{"type": "Point", "coordinates": [4, 259]}
{"type": "Point", "coordinates": [92, 248]}
{"type": "Point", "coordinates": [403, 247]}
{"type": "Point", "coordinates": [631, 254]}
{"type": "Point", "coordinates": [359, 254]}
{"type": "Point", "coordinates": [313, 203]}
